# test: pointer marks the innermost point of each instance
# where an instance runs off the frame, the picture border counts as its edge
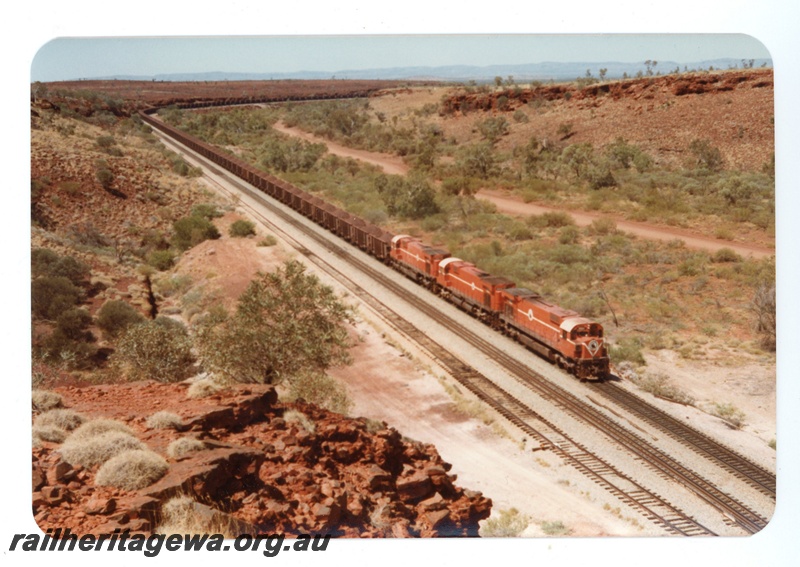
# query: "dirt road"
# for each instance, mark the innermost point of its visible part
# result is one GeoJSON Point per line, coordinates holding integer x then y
{"type": "Point", "coordinates": [515, 206]}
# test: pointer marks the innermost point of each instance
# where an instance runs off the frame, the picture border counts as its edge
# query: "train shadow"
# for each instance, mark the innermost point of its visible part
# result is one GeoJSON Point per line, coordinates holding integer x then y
{"type": "Point", "coordinates": [611, 378]}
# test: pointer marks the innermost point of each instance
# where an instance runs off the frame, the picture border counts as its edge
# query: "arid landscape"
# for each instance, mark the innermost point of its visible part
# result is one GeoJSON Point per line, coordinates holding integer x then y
{"type": "Point", "coordinates": [646, 204]}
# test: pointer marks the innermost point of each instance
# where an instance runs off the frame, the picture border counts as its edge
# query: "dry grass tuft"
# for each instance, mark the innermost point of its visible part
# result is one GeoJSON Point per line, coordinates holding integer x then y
{"type": "Point", "coordinates": [66, 419]}
{"type": "Point", "coordinates": [507, 523]}
{"type": "Point", "coordinates": [96, 450]}
{"type": "Point", "coordinates": [298, 417]}
{"type": "Point", "coordinates": [49, 433]}
{"type": "Point", "coordinates": [98, 427]}
{"type": "Point", "coordinates": [183, 446]}
{"type": "Point", "coordinates": [132, 470]}
{"type": "Point", "coordinates": [44, 400]}
{"type": "Point", "coordinates": [204, 388]}
{"type": "Point", "coordinates": [164, 420]}
{"type": "Point", "coordinates": [181, 515]}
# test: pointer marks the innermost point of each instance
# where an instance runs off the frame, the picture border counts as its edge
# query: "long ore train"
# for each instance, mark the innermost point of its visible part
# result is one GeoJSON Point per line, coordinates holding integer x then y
{"type": "Point", "coordinates": [560, 335]}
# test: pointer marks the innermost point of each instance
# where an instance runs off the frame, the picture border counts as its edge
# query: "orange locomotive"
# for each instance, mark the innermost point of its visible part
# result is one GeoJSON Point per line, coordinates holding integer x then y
{"type": "Point", "coordinates": [560, 335]}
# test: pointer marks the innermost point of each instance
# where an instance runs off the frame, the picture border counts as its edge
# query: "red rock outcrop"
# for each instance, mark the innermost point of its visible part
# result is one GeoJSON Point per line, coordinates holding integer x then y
{"type": "Point", "coordinates": [262, 470]}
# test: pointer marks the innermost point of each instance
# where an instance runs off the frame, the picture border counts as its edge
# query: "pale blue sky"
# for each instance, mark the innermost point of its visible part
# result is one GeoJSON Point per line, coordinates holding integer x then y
{"type": "Point", "coordinates": [77, 58]}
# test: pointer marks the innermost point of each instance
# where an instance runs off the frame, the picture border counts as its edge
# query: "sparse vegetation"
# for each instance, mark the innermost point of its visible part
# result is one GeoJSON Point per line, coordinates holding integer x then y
{"type": "Point", "coordinates": [161, 260]}
{"type": "Point", "coordinates": [556, 528]}
{"type": "Point", "coordinates": [629, 349]}
{"type": "Point", "coordinates": [506, 523]}
{"type": "Point", "coordinates": [268, 240]}
{"type": "Point", "coordinates": [730, 414]}
{"type": "Point", "coordinates": [191, 231]}
{"type": "Point", "coordinates": [53, 295]}
{"type": "Point", "coordinates": [321, 390]}
{"type": "Point", "coordinates": [153, 351]}
{"type": "Point", "coordinates": [242, 228]}
{"type": "Point", "coordinates": [116, 316]}
{"type": "Point", "coordinates": [661, 386]}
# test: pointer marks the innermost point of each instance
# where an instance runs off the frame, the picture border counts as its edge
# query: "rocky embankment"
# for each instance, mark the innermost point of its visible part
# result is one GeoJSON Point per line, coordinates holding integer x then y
{"type": "Point", "coordinates": [257, 466]}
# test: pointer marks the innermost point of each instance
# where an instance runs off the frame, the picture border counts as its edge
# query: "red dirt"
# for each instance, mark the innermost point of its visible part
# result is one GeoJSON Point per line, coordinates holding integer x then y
{"type": "Point", "coordinates": [515, 206]}
{"type": "Point", "coordinates": [345, 477]}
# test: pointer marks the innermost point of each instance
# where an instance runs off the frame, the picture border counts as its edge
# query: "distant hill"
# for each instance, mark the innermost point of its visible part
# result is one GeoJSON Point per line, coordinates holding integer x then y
{"type": "Point", "coordinates": [527, 72]}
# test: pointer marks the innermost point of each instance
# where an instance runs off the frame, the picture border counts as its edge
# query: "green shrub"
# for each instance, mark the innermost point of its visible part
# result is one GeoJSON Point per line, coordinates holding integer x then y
{"type": "Point", "coordinates": [493, 128]}
{"type": "Point", "coordinates": [268, 240]}
{"type": "Point", "coordinates": [603, 226]}
{"type": "Point", "coordinates": [242, 228]}
{"type": "Point", "coordinates": [726, 255]}
{"type": "Point", "coordinates": [115, 316]}
{"type": "Point", "coordinates": [132, 470]}
{"type": "Point", "coordinates": [73, 323]}
{"type": "Point", "coordinates": [552, 219]}
{"type": "Point", "coordinates": [71, 336]}
{"type": "Point", "coordinates": [153, 351]}
{"type": "Point", "coordinates": [706, 156]}
{"type": "Point", "coordinates": [53, 295]}
{"type": "Point", "coordinates": [161, 260]}
{"type": "Point", "coordinates": [569, 235]}
{"type": "Point", "coordinates": [183, 169]}
{"type": "Point", "coordinates": [206, 210]}
{"type": "Point", "coordinates": [286, 322]}
{"type": "Point", "coordinates": [191, 231]}
{"type": "Point", "coordinates": [520, 232]}
{"type": "Point", "coordinates": [628, 349]}
{"type": "Point", "coordinates": [41, 261]}
{"type": "Point", "coordinates": [105, 177]}
{"type": "Point", "coordinates": [45, 262]}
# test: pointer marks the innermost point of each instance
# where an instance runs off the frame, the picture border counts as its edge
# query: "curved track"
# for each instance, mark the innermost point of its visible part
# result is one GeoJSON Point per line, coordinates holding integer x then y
{"type": "Point", "coordinates": [635, 495]}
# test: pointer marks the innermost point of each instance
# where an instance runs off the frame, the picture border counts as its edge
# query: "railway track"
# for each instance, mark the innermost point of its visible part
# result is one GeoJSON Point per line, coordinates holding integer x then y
{"type": "Point", "coordinates": [736, 464]}
{"type": "Point", "coordinates": [654, 507]}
